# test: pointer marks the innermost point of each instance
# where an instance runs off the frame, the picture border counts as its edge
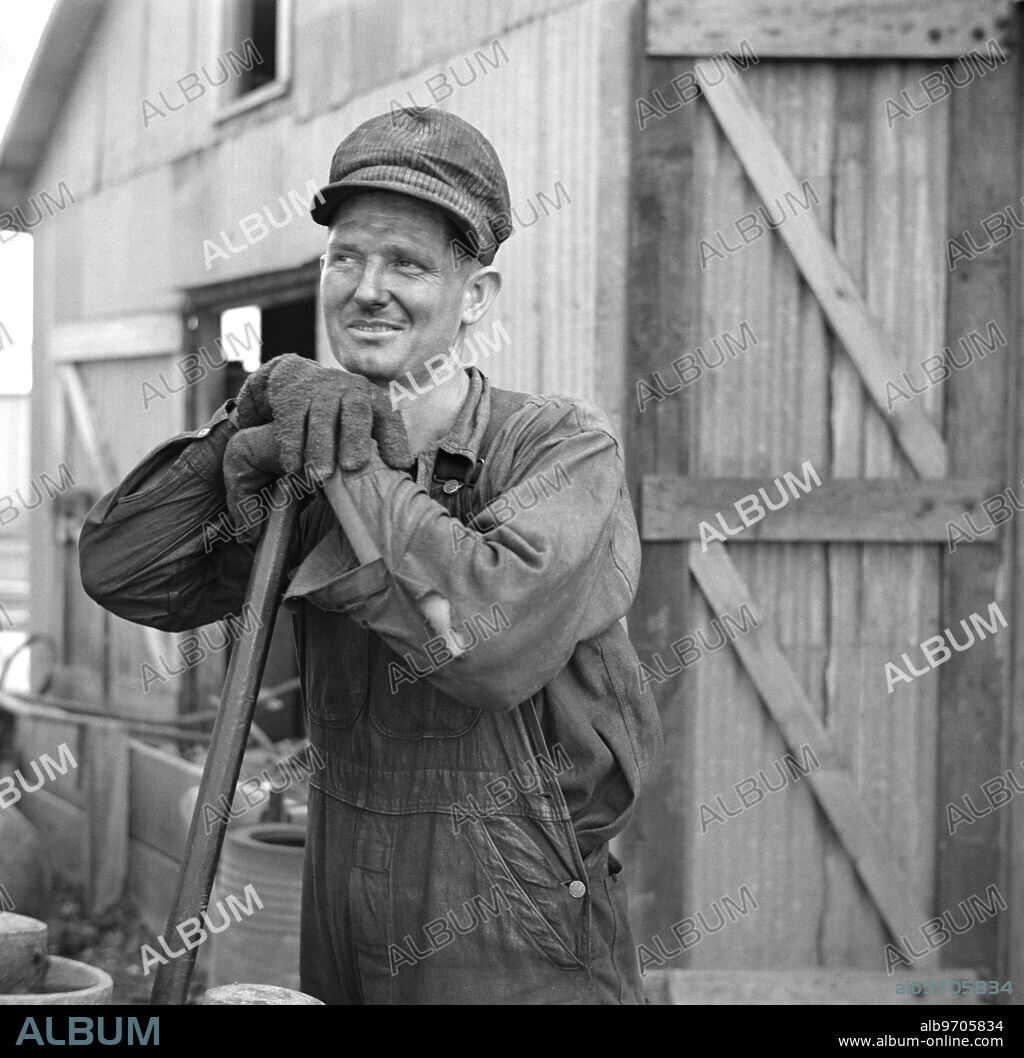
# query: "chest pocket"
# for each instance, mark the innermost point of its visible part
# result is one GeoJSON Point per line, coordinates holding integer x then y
{"type": "Point", "coordinates": [405, 705]}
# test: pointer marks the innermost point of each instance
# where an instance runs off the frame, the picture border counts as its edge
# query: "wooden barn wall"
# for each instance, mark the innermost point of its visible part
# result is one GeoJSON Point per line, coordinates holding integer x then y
{"type": "Point", "coordinates": [1013, 824]}
{"type": "Point", "coordinates": [839, 612]}
{"type": "Point", "coordinates": [119, 261]}
{"type": "Point", "coordinates": [148, 198]}
{"type": "Point", "coordinates": [981, 415]}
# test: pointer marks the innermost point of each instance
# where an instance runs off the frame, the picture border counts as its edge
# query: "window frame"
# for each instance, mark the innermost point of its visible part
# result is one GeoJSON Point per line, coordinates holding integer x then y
{"type": "Point", "coordinates": [229, 105]}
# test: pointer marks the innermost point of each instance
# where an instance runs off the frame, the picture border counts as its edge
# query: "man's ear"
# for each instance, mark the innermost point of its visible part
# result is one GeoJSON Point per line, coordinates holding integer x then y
{"type": "Point", "coordinates": [480, 290]}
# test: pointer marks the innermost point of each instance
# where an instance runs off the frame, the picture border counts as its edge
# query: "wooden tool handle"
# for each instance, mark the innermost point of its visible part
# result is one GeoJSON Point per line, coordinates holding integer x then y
{"type": "Point", "coordinates": [227, 745]}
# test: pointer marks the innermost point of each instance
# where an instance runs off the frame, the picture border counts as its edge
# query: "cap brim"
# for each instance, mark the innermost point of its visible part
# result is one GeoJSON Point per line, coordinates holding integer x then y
{"type": "Point", "coordinates": [331, 196]}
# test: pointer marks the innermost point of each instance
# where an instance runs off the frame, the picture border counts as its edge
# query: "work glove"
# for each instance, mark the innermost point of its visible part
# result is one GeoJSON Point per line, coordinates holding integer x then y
{"type": "Point", "coordinates": [322, 416]}
{"type": "Point", "coordinates": [297, 417]}
{"type": "Point", "coordinates": [251, 465]}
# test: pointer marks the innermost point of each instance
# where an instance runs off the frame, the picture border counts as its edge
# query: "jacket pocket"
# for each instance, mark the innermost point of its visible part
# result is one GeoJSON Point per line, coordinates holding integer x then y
{"type": "Point", "coordinates": [535, 885]}
{"type": "Point", "coordinates": [405, 704]}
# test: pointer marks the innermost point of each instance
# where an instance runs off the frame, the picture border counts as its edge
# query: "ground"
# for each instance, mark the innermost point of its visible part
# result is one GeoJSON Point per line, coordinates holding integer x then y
{"type": "Point", "coordinates": [111, 941]}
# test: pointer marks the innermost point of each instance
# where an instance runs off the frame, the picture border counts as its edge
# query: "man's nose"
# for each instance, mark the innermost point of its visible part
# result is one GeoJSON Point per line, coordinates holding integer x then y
{"type": "Point", "coordinates": [372, 289]}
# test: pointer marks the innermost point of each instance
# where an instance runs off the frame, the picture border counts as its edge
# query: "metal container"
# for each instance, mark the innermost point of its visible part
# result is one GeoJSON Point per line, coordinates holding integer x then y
{"type": "Point", "coordinates": [256, 996]}
{"type": "Point", "coordinates": [68, 983]}
{"type": "Point", "coordinates": [22, 953]}
{"type": "Point", "coordinates": [24, 866]}
{"type": "Point", "coordinates": [260, 945]}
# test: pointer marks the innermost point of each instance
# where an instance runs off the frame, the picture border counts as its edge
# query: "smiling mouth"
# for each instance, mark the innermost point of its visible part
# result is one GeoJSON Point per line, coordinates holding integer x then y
{"type": "Point", "coordinates": [373, 327]}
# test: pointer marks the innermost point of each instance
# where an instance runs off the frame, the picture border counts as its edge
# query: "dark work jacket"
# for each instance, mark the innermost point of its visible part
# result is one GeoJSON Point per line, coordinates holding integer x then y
{"type": "Point", "coordinates": [539, 562]}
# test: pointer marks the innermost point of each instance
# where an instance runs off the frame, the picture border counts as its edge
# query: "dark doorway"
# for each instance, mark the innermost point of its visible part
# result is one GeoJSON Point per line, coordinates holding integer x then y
{"type": "Point", "coordinates": [289, 328]}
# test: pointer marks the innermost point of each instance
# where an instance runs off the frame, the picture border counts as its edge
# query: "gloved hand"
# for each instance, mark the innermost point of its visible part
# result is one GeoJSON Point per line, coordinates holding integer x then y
{"type": "Point", "coordinates": [322, 416]}
{"type": "Point", "coordinates": [251, 464]}
{"type": "Point", "coordinates": [294, 413]}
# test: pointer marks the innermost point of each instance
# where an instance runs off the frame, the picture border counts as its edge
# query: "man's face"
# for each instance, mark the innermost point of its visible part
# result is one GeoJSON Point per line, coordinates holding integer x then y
{"type": "Point", "coordinates": [392, 296]}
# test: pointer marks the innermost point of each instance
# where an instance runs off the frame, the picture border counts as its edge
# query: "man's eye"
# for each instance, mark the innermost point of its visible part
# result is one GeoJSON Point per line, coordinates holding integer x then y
{"type": "Point", "coordinates": [405, 263]}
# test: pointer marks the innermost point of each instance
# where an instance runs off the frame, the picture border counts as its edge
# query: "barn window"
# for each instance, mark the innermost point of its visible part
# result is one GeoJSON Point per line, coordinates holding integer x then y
{"type": "Point", "coordinates": [256, 53]}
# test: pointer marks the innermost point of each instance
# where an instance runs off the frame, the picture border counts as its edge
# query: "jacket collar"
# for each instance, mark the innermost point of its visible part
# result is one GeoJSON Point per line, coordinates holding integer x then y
{"type": "Point", "coordinates": [457, 452]}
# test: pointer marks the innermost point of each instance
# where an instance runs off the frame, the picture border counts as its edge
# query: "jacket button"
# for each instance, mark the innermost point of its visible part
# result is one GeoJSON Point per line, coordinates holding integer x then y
{"type": "Point", "coordinates": [451, 485]}
{"type": "Point", "coordinates": [577, 889]}
{"type": "Point", "coordinates": [203, 432]}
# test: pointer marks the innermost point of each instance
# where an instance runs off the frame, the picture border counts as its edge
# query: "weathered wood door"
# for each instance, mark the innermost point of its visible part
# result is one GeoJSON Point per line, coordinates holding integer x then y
{"type": "Point", "coordinates": [794, 225]}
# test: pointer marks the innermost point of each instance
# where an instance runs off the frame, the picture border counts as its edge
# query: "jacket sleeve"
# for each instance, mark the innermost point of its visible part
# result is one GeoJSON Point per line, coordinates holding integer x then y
{"type": "Point", "coordinates": [551, 561]}
{"type": "Point", "coordinates": [146, 552]}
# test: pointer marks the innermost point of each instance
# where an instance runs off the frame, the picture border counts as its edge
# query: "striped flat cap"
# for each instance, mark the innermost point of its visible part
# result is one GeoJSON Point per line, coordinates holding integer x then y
{"type": "Point", "coordinates": [432, 155]}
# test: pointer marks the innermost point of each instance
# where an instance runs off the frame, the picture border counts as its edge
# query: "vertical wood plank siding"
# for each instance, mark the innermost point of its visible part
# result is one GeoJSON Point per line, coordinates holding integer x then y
{"type": "Point", "coordinates": [839, 611]}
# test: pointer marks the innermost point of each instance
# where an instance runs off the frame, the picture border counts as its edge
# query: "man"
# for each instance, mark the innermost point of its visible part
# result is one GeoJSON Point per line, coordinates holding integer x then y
{"type": "Point", "coordinates": [457, 847]}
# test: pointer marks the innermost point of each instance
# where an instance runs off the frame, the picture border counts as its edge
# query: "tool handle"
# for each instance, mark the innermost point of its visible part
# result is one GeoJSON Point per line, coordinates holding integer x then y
{"type": "Point", "coordinates": [227, 745]}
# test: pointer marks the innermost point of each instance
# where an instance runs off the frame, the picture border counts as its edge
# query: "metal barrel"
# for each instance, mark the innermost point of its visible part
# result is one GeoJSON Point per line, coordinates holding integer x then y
{"type": "Point", "coordinates": [261, 944]}
{"type": "Point", "coordinates": [248, 995]}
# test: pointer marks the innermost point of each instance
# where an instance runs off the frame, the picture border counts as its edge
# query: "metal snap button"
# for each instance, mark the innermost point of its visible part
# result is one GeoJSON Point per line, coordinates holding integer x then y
{"type": "Point", "coordinates": [203, 432]}
{"type": "Point", "coordinates": [577, 889]}
{"type": "Point", "coordinates": [451, 485]}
